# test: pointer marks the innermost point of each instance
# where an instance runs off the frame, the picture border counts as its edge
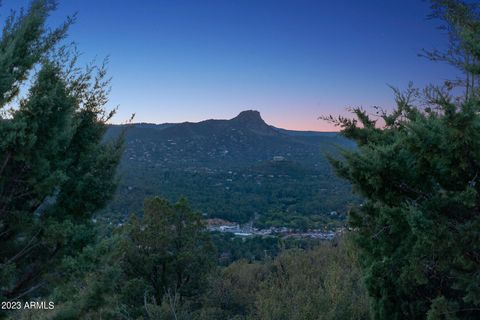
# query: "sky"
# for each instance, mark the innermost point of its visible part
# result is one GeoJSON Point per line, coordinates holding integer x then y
{"type": "Point", "coordinates": [176, 60]}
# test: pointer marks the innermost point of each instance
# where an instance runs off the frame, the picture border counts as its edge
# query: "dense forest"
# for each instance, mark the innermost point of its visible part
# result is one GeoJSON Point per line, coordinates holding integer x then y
{"type": "Point", "coordinates": [411, 249]}
{"type": "Point", "coordinates": [253, 193]}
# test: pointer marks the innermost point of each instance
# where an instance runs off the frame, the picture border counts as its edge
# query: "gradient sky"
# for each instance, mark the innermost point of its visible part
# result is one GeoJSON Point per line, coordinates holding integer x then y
{"type": "Point", "coordinates": [175, 61]}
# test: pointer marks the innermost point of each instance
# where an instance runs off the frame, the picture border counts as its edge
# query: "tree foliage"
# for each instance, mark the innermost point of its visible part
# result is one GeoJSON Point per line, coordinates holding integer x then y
{"type": "Point", "coordinates": [321, 283]}
{"type": "Point", "coordinates": [167, 255]}
{"type": "Point", "coordinates": [55, 171]}
{"type": "Point", "coordinates": [418, 228]}
{"type": "Point", "coordinates": [461, 22]}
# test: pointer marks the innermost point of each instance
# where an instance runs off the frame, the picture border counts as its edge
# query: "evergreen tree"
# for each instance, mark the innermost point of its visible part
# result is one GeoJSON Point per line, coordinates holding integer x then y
{"type": "Point", "coordinates": [419, 226]}
{"type": "Point", "coordinates": [166, 258]}
{"type": "Point", "coordinates": [55, 170]}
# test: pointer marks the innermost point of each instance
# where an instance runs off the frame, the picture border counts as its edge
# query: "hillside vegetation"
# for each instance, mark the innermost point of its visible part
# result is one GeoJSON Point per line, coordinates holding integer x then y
{"type": "Point", "coordinates": [240, 169]}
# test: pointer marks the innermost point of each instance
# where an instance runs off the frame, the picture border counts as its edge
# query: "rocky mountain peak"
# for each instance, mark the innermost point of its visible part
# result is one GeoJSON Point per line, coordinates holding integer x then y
{"type": "Point", "coordinates": [249, 116]}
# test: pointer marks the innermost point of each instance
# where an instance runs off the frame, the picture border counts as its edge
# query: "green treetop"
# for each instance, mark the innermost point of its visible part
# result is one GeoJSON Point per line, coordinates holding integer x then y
{"type": "Point", "coordinates": [167, 255]}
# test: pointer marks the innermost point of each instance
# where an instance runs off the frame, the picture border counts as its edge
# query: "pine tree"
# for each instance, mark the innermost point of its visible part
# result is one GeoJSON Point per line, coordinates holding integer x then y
{"type": "Point", "coordinates": [419, 226]}
{"type": "Point", "coordinates": [55, 169]}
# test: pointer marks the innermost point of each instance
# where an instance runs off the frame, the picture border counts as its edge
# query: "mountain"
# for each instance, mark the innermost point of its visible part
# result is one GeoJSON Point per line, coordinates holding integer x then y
{"type": "Point", "coordinates": [236, 169]}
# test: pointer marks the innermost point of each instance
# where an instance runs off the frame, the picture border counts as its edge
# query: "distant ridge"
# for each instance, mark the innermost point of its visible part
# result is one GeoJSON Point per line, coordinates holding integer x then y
{"type": "Point", "coordinates": [250, 118]}
{"type": "Point", "coordinates": [241, 141]}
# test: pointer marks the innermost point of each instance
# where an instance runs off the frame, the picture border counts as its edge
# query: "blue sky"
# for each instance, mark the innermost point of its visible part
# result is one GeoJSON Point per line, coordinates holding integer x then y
{"type": "Point", "coordinates": [175, 60]}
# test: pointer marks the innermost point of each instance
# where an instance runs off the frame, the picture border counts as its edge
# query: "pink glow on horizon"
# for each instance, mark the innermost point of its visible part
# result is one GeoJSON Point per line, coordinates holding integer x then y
{"type": "Point", "coordinates": [305, 125]}
{"type": "Point", "coordinates": [300, 122]}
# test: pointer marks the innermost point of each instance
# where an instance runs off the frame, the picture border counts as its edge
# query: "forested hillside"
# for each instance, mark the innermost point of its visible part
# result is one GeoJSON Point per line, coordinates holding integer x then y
{"type": "Point", "coordinates": [240, 169]}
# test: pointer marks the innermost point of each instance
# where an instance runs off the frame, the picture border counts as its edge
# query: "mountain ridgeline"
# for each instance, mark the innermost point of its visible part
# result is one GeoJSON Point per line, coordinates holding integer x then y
{"type": "Point", "coordinates": [236, 169]}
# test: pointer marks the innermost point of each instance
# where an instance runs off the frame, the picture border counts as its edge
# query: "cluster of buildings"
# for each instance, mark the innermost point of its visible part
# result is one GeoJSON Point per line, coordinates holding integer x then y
{"type": "Point", "coordinates": [247, 230]}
